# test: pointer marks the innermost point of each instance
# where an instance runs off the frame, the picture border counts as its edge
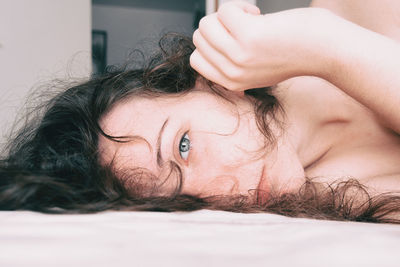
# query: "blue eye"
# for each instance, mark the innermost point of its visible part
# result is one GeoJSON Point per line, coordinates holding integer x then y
{"type": "Point", "coordinates": [184, 147]}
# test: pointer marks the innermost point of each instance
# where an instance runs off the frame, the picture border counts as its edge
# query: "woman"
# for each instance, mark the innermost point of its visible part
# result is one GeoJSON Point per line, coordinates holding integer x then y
{"type": "Point", "coordinates": [163, 138]}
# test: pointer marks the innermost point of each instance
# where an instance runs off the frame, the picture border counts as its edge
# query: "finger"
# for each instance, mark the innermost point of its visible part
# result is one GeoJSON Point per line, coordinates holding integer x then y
{"type": "Point", "coordinates": [210, 54]}
{"type": "Point", "coordinates": [245, 6]}
{"type": "Point", "coordinates": [200, 64]}
{"type": "Point", "coordinates": [233, 14]}
{"type": "Point", "coordinates": [228, 69]}
{"type": "Point", "coordinates": [217, 36]}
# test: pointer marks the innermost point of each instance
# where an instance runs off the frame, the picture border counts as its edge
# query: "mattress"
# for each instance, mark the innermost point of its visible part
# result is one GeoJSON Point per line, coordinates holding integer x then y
{"type": "Point", "coordinates": [201, 238]}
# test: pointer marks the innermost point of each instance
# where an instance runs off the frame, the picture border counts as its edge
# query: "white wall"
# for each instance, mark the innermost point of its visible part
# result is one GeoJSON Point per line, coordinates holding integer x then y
{"type": "Point", "coordinates": [128, 26]}
{"type": "Point", "coordinates": [269, 6]}
{"type": "Point", "coordinates": [40, 40]}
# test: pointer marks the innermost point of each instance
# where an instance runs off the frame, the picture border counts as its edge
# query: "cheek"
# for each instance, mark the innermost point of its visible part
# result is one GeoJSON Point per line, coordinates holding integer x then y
{"type": "Point", "coordinates": [222, 165]}
{"type": "Point", "coordinates": [219, 185]}
{"type": "Point", "coordinates": [236, 142]}
{"type": "Point", "coordinates": [217, 152]}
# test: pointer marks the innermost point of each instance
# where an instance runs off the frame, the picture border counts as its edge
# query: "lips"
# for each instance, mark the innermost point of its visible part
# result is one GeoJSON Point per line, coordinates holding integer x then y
{"type": "Point", "coordinates": [262, 189]}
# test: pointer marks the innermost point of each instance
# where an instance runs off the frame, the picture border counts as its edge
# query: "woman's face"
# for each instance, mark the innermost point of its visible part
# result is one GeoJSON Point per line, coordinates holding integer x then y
{"type": "Point", "coordinates": [216, 144]}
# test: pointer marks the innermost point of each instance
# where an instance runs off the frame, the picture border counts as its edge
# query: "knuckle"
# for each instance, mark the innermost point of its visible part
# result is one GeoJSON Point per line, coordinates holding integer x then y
{"type": "Point", "coordinates": [249, 38]}
{"type": "Point", "coordinates": [203, 23]}
{"type": "Point", "coordinates": [196, 36]}
{"type": "Point", "coordinates": [232, 86]}
{"type": "Point", "coordinates": [194, 59]}
{"type": "Point", "coordinates": [234, 74]}
{"type": "Point", "coordinates": [240, 59]}
{"type": "Point", "coordinates": [208, 22]}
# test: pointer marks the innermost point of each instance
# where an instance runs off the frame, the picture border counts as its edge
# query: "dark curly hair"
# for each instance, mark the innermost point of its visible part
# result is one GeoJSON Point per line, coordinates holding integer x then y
{"type": "Point", "coordinates": [52, 163]}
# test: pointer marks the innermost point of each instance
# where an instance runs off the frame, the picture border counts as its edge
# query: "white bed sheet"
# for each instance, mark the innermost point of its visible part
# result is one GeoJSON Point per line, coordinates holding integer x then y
{"type": "Point", "coordinates": [201, 238]}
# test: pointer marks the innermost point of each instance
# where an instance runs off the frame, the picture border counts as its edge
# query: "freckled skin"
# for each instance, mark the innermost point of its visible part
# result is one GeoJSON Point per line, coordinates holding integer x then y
{"type": "Point", "coordinates": [328, 133]}
{"type": "Point", "coordinates": [227, 154]}
{"type": "Point", "coordinates": [327, 137]}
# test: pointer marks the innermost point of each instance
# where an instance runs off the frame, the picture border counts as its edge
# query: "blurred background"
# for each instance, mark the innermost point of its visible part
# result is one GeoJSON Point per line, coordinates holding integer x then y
{"type": "Point", "coordinates": [43, 40]}
{"type": "Point", "coordinates": [121, 25]}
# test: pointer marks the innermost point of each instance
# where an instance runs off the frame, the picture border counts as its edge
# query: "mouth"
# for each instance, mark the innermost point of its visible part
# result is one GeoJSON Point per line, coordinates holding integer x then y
{"type": "Point", "coordinates": [262, 189]}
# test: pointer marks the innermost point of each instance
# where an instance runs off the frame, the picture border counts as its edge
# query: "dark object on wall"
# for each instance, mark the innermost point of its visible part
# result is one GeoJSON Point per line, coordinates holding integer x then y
{"type": "Point", "coordinates": [99, 52]}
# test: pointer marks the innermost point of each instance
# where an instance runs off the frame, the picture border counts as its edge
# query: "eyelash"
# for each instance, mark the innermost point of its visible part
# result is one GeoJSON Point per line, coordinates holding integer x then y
{"type": "Point", "coordinates": [185, 144]}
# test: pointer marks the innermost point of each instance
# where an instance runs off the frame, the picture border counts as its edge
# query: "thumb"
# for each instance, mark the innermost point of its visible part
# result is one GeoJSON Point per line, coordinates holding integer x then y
{"type": "Point", "coordinates": [245, 6]}
{"type": "Point", "coordinates": [231, 14]}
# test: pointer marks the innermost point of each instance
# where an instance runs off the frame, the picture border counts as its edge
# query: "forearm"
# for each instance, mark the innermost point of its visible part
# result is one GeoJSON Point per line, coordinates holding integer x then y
{"type": "Point", "coordinates": [366, 66]}
{"type": "Point", "coordinates": [241, 51]}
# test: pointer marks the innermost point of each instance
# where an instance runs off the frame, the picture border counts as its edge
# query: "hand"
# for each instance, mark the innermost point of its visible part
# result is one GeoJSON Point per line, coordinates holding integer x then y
{"type": "Point", "coordinates": [240, 49]}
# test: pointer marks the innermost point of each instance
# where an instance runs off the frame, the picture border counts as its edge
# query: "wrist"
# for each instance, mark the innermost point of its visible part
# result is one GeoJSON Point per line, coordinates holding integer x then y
{"type": "Point", "coordinates": [333, 46]}
{"type": "Point", "coordinates": [346, 47]}
{"type": "Point", "coordinates": [308, 41]}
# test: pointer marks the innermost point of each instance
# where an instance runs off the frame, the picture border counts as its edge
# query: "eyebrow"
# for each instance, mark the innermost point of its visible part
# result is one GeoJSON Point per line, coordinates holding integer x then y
{"type": "Point", "coordinates": [160, 160]}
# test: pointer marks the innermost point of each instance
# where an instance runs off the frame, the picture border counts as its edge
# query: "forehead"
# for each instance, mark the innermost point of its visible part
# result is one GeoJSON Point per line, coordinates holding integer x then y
{"type": "Point", "coordinates": [131, 117]}
{"type": "Point", "coordinates": [143, 117]}
{"type": "Point", "coordinates": [142, 113]}
{"type": "Point", "coordinates": [129, 114]}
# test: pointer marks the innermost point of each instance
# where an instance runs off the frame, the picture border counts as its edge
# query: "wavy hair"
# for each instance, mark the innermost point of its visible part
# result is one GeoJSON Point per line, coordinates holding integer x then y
{"type": "Point", "coordinates": [52, 162]}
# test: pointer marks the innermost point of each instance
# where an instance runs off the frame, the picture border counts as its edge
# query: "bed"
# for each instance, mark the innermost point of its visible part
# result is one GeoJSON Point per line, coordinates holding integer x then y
{"type": "Point", "coordinates": [201, 238]}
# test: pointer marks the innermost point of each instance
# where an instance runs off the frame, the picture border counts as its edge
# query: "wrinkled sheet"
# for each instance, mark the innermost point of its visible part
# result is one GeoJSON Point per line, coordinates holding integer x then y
{"type": "Point", "coordinates": [201, 238]}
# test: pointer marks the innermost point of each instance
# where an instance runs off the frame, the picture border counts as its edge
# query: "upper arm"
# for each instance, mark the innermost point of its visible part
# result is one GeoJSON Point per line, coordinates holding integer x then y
{"type": "Point", "coordinates": [381, 16]}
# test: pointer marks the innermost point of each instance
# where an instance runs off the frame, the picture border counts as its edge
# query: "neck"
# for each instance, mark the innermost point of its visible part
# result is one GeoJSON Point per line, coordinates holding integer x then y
{"type": "Point", "coordinates": [311, 118]}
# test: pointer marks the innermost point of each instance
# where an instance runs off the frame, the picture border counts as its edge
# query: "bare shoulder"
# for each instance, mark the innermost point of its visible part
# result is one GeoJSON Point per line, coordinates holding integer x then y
{"type": "Point", "coordinates": [320, 97]}
{"type": "Point", "coordinates": [363, 147]}
{"type": "Point", "coordinates": [381, 16]}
